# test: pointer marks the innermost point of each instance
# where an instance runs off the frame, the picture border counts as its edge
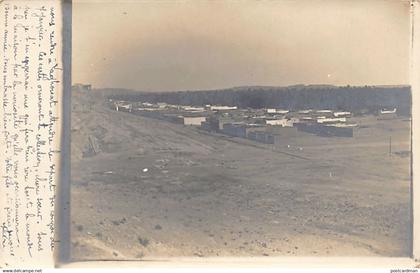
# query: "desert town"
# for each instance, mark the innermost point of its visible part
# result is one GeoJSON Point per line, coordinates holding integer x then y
{"type": "Point", "coordinates": [155, 180]}
{"type": "Point", "coordinates": [261, 125]}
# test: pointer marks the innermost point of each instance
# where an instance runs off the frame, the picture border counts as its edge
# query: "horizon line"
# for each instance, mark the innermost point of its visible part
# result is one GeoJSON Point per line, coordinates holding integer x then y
{"type": "Point", "coordinates": [246, 86]}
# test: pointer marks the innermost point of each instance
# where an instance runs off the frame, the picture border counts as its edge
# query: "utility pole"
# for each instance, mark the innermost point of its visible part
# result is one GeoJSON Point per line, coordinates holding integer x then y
{"type": "Point", "coordinates": [390, 145]}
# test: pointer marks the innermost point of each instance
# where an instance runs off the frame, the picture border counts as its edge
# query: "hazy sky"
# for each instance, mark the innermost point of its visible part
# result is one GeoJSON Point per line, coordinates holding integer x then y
{"type": "Point", "coordinates": [186, 45]}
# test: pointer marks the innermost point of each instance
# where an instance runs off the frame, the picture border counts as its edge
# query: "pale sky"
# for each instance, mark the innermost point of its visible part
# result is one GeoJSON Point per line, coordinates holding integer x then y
{"type": "Point", "coordinates": [188, 45]}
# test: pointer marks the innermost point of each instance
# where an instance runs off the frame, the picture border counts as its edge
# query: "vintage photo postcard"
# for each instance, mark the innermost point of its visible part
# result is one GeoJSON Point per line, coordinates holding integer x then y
{"type": "Point", "coordinates": [212, 131]}
{"type": "Point", "coordinates": [251, 128]}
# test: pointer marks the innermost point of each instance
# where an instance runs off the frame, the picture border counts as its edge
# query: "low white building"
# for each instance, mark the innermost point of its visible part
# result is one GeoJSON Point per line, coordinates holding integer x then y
{"type": "Point", "coordinates": [387, 114]}
{"type": "Point", "coordinates": [276, 111]}
{"type": "Point", "coordinates": [279, 122]}
{"type": "Point", "coordinates": [195, 121]}
{"type": "Point", "coordinates": [121, 106]}
{"type": "Point", "coordinates": [280, 111]}
{"type": "Point", "coordinates": [393, 111]}
{"type": "Point", "coordinates": [331, 120]}
{"type": "Point", "coordinates": [192, 108]}
{"type": "Point", "coordinates": [162, 105]}
{"type": "Point", "coordinates": [342, 114]}
{"type": "Point", "coordinates": [324, 111]}
{"type": "Point", "coordinates": [221, 107]}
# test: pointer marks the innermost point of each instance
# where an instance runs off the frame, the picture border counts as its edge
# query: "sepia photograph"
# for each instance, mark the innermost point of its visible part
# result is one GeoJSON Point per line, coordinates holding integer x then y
{"type": "Point", "coordinates": [240, 129]}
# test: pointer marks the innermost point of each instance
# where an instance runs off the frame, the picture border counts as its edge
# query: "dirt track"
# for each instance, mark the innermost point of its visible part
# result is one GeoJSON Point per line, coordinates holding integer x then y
{"type": "Point", "coordinates": [155, 189]}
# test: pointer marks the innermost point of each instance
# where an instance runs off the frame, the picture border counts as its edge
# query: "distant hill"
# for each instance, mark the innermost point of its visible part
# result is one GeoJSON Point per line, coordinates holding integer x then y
{"type": "Point", "coordinates": [348, 98]}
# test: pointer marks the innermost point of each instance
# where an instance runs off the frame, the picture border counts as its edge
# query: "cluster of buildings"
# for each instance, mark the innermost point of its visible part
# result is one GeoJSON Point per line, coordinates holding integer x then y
{"type": "Point", "coordinates": [261, 125]}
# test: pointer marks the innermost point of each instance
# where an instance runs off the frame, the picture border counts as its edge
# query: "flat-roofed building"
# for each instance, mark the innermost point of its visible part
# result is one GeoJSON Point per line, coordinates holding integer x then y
{"type": "Point", "coordinates": [194, 121]}
{"type": "Point", "coordinates": [193, 108]}
{"type": "Point", "coordinates": [339, 130]}
{"type": "Point", "coordinates": [385, 114]}
{"type": "Point", "coordinates": [305, 112]}
{"type": "Point", "coordinates": [217, 122]}
{"type": "Point", "coordinates": [234, 129]}
{"type": "Point", "coordinates": [342, 114]}
{"type": "Point", "coordinates": [221, 107]}
{"type": "Point", "coordinates": [328, 130]}
{"type": "Point", "coordinates": [279, 122]}
{"type": "Point", "coordinates": [331, 120]}
{"type": "Point", "coordinates": [283, 132]}
{"type": "Point", "coordinates": [261, 136]}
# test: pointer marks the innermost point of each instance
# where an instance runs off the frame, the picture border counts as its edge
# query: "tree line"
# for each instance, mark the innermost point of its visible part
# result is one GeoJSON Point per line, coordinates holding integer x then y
{"type": "Point", "coordinates": [345, 98]}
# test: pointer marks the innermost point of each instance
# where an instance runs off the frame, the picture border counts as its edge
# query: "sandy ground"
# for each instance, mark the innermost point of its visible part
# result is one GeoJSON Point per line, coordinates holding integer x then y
{"type": "Point", "coordinates": [156, 189]}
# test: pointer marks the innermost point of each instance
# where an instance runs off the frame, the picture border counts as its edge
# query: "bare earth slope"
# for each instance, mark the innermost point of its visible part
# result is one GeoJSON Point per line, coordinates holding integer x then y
{"type": "Point", "coordinates": [143, 188]}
